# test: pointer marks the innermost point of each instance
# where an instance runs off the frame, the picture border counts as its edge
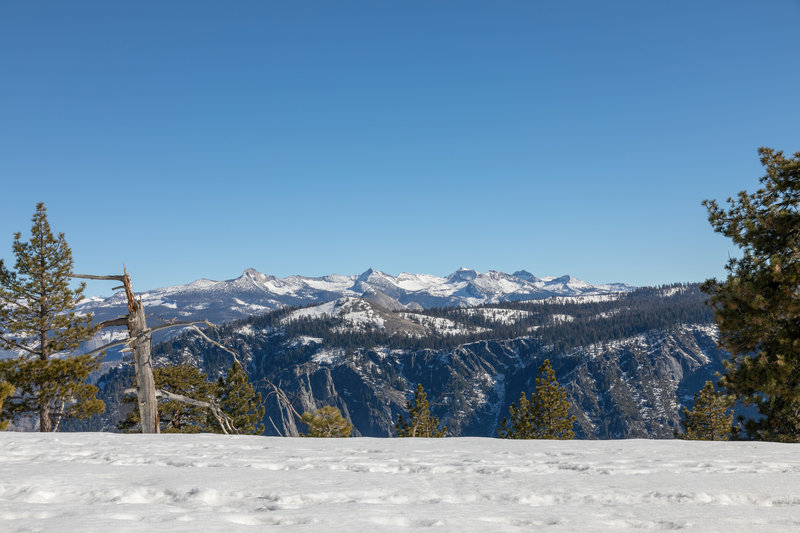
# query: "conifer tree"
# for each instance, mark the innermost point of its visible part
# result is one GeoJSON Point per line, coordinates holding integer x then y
{"type": "Point", "coordinates": [545, 416]}
{"type": "Point", "coordinates": [6, 390]}
{"type": "Point", "coordinates": [326, 422]}
{"type": "Point", "coordinates": [757, 307]}
{"type": "Point", "coordinates": [421, 423]}
{"type": "Point", "coordinates": [710, 419]}
{"type": "Point", "coordinates": [238, 400]}
{"type": "Point", "coordinates": [178, 417]}
{"type": "Point", "coordinates": [38, 320]}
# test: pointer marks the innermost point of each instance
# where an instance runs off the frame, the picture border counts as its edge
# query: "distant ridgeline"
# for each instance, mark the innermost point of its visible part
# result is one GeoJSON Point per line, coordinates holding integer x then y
{"type": "Point", "coordinates": [627, 360]}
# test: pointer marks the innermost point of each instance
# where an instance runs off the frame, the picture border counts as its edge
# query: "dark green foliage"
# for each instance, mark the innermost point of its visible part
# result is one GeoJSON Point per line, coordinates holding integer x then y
{"type": "Point", "coordinates": [178, 417]}
{"type": "Point", "coordinates": [6, 390]}
{"type": "Point", "coordinates": [238, 400]}
{"type": "Point", "coordinates": [57, 383]}
{"type": "Point", "coordinates": [37, 318]}
{"type": "Point", "coordinates": [326, 422]}
{"type": "Point", "coordinates": [711, 417]}
{"type": "Point", "coordinates": [545, 416]}
{"type": "Point", "coordinates": [421, 423]}
{"type": "Point", "coordinates": [758, 306]}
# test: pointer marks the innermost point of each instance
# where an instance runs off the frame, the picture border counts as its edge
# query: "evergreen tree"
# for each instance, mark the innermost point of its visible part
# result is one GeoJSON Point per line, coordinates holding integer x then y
{"type": "Point", "coordinates": [711, 417]}
{"type": "Point", "coordinates": [38, 320]}
{"type": "Point", "coordinates": [238, 400]}
{"type": "Point", "coordinates": [421, 423]}
{"type": "Point", "coordinates": [757, 307]}
{"type": "Point", "coordinates": [6, 390]}
{"type": "Point", "coordinates": [326, 422]}
{"type": "Point", "coordinates": [545, 416]}
{"type": "Point", "coordinates": [178, 417]}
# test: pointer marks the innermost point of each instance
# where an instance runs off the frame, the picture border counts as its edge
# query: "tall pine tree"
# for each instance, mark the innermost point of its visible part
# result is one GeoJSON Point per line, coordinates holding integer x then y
{"type": "Point", "coordinates": [38, 320]}
{"type": "Point", "coordinates": [757, 307]}
{"type": "Point", "coordinates": [238, 400]}
{"type": "Point", "coordinates": [421, 423]}
{"type": "Point", "coordinates": [545, 416]}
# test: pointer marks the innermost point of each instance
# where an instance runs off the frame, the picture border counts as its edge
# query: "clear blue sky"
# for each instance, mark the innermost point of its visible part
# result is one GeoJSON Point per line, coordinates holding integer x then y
{"type": "Point", "coordinates": [195, 139]}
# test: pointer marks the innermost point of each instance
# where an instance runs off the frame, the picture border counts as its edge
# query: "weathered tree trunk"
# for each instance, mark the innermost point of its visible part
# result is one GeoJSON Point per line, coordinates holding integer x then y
{"type": "Point", "coordinates": [145, 385]}
{"type": "Point", "coordinates": [140, 342]}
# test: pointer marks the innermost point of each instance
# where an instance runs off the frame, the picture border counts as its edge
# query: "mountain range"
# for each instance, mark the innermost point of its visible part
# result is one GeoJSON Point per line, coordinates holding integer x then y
{"type": "Point", "coordinates": [254, 292]}
{"type": "Point", "coordinates": [628, 360]}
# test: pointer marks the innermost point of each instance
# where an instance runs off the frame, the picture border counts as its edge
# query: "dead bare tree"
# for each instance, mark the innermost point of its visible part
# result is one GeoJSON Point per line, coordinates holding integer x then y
{"type": "Point", "coordinates": [139, 342]}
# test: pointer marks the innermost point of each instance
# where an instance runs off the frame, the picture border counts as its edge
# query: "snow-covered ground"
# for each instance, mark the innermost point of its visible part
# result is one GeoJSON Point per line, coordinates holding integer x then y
{"type": "Point", "coordinates": [110, 482]}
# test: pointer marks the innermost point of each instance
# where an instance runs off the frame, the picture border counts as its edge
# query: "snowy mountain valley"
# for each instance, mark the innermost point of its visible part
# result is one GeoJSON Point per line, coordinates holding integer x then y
{"type": "Point", "coordinates": [628, 359]}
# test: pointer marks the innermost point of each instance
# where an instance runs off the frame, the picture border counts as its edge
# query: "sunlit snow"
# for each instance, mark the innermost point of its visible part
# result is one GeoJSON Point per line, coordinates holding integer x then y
{"type": "Point", "coordinates": [111, 482]}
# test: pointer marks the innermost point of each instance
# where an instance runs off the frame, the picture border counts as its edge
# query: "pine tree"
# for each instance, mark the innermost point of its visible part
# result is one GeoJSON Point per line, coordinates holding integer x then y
{"type": "Point", "coordinates": [422, 423]}
{"type": "Point", "coordinates": [6, 390]}
{"type": "Point", "coordinates": [326, 422]}
{"type": "Point", "coordinates": [757, 307]}
{"type": "Point", "coordinates": [38, 320]}
{"type": "Point", "coordinates": [711, 417]}
{"type": "Point", "coordinates": [545, 416]}
{"type": "Point", "coordinates": [238, 400]}
{"type": "Point", "coordinates": [178, 417]}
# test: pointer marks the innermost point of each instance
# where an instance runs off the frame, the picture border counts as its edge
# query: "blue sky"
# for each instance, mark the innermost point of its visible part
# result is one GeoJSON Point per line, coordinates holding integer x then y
{"type": "Point", "coordinates": [197, 139]}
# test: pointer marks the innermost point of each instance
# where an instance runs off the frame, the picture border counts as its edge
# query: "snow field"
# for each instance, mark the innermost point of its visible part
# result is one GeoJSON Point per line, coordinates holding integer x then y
{"type": "Point", "coordinates": [112, 482]}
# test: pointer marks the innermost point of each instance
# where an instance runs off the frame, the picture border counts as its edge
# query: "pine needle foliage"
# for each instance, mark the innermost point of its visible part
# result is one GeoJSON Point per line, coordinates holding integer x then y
{"type": "Point", "coordinates": [326, 422]}
{"type": "Point", "coordinates": [38, 320]}
{"type": "Point", "coordinates": [238, 400]}
{"type": "Point", "coordinates": [711, 417]}
{"type": "Point", "coordinates": [544, 416]}
{"type": "Point", "coordinates": [757, 307]}
{"type": "Point", "coordinates": [421, 423]}
{"type": "Point", "coordinates": [6, 390]}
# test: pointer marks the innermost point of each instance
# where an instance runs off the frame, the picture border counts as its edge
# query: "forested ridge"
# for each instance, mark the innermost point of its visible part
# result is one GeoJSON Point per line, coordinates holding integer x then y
{"type": "Point", "coordinates": [589, 322]}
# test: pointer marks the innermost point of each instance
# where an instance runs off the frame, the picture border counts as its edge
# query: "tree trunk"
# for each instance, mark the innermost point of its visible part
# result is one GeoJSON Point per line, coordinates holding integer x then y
{"type": "Point", "coordinates": [45, 424]}
{"type": "Point", "coordinates": [145, 385]}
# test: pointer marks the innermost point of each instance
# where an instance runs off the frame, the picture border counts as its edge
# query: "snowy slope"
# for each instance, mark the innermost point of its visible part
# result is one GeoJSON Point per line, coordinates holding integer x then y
{"type": "Point", "coordinates": [176, 483]}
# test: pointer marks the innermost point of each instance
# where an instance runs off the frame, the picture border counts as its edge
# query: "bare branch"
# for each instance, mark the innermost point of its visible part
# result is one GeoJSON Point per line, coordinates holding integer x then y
{"type": "Point", "coordinates": [278, 431]}
{"type": "Point", "coordinates": [282, 396]}
{"type": "Point", "coordinates": [175, 324]}
{"type": "Point", "coordinates": [215, 343]}
{"type": "Point", "coordinates": [19, 346]}
{"type": "Point", "coordinates": [90, 276]}
{"type": "Point", "coordinates": [109, 345]}
{"type": "Point", "coordinates": [145, 333]}
{"type": "Point", "coordinates": [114, 322]}
{"type": "Point", "coordinates": [224, 421]}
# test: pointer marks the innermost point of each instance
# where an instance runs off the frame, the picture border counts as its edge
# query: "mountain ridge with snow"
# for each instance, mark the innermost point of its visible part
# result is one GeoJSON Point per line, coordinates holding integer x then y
{"type": "Point", "coordinates": [254, 292]}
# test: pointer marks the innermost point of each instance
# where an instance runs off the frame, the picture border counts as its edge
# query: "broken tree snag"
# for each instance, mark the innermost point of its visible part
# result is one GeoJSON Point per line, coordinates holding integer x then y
{"type": "Point", "coordinates": [140, 346]}
{"type": "Point", "coordinates": [139, 343]}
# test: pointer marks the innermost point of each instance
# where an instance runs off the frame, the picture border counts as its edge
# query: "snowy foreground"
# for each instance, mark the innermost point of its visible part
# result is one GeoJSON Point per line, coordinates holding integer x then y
{"type": "Point", "coordinates": [110, 482]}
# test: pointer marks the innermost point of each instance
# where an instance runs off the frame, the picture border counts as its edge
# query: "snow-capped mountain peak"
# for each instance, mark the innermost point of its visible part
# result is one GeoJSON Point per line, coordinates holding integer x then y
{"type": "Point", "coordinates": [461, 275]}
{"type": "Point", "coordinates": [254, 292]}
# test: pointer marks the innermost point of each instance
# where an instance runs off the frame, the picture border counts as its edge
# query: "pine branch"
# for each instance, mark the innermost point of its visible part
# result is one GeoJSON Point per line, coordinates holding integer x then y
{"type": "Point", "coordinates": [19, 346]}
